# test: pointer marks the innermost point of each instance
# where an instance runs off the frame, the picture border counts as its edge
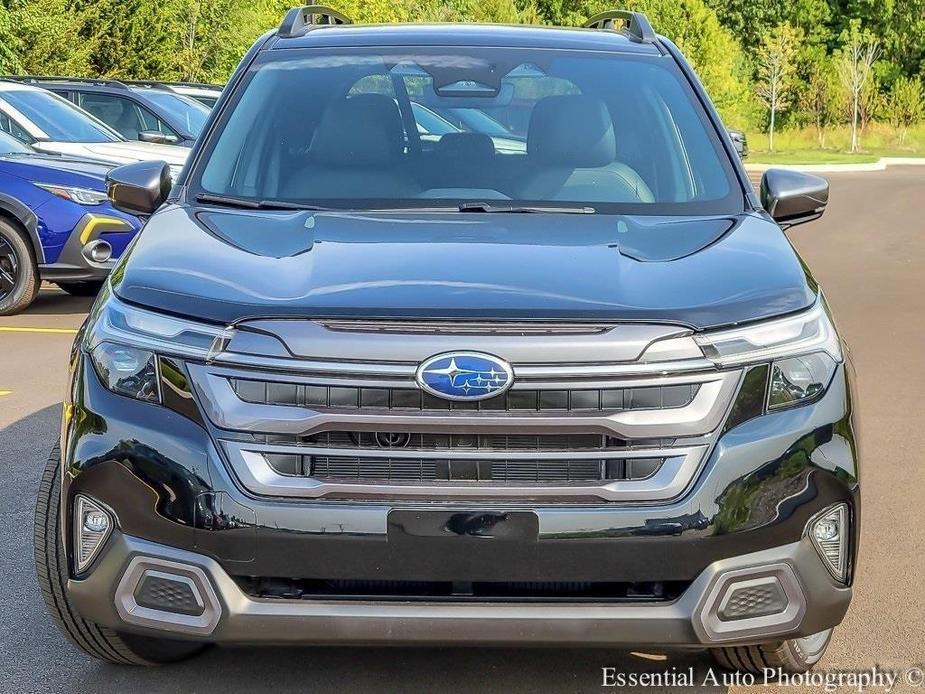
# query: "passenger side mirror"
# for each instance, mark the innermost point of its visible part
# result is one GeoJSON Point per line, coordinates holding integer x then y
{"type": "Point", "coordinates": [156, 137]}
{"type": "Point", "coordinates": [139, 188]}
{"type": "Point", "coordinates": [740, 142]}
{"type": "Point", "coordinates": [793, 197]}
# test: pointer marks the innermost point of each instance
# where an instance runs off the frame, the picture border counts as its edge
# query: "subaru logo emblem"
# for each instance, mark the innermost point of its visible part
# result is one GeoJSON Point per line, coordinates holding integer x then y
{"type": "Point", "coordinates": [465, 376]}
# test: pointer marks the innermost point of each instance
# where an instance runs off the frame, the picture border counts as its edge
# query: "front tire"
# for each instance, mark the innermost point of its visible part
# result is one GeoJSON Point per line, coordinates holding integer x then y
{"type": "Point", "coordinates": [794, 656]}
{"type": "Point", "coordinates": [52, 573]}
{"type": "Point", "coordinates": [19, 278]}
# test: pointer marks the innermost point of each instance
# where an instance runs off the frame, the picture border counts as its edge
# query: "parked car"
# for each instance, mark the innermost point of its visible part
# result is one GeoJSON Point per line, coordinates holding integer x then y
{"type": "Point", "coordinates": [206, 94]}
{"type": "Point", "coordinates": [51, 123]}
{"type": "Point", "coordinates": [345, 388]}
{"type": "Point", "coordinates": [740, 142]}
{"type": "Point", "coordinates": [136, 111]}
{"type": "Point", "coordinates": [56, 224]}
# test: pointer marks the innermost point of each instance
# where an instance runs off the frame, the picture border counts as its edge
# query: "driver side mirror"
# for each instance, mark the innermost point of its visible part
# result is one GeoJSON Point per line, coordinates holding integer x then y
{"type": "Point", "coordinates": [156, 137]}
{"type": "Point", "coordinates": [139, 188]}
{"type": "Point", "coordinates": [793, 197]}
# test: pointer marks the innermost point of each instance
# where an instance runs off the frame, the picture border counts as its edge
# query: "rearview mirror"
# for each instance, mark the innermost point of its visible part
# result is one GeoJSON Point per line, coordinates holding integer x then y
{"type": "Point", "coordinates": [793, 197]}
{"type": "Point", "coordinates": [156, 137]}
{"type": "Point", "coordinates": [139, 188]}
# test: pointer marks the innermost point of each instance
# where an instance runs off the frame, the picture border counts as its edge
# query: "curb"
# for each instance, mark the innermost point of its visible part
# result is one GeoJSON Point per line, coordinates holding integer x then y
{"type": "Point", "coordinates": [880, 165]}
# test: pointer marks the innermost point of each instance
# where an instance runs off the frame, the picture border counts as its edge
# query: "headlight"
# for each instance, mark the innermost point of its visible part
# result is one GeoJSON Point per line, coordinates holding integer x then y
{"type": "Point", "coordinates": [803, 350]}
{"type": "Point", "coordinates": [810, 331]}
{"type": "Point", "coordinates": [82, 196]}
{"type": "Point", "coordinates": [799, 379]}
{"type": "Point", "coordinates": [127, 370]}
{"type": "Point", "coordinates": [115, 321]}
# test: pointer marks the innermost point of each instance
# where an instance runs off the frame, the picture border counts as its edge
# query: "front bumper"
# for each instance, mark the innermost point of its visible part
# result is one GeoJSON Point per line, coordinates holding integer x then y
{"type": "Point", "coordinates": [74, 263]}
{"type": "Point", "coordinates": [231, 616]}
{"type": "Point", "coordinates": [176, 501]}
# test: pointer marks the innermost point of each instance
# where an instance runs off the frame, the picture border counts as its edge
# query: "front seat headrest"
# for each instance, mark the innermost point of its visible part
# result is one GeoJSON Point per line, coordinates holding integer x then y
{"type": "Point", "coordinates": [361, 130]}
{"type": "Point", "coordinates": [573, 131]}
{"type": "Point", "coordinates": [462, 147]}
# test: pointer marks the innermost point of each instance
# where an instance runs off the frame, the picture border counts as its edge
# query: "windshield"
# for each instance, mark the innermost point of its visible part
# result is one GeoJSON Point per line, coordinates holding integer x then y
{"type": "Point", "coordinates": [442, 127]}
{"type": "Point", "coordinates": [10, 145]}
{"type": "Point", "coordinates": [189, 114]}
{"type": "Point", "coordinates": [58, 118]}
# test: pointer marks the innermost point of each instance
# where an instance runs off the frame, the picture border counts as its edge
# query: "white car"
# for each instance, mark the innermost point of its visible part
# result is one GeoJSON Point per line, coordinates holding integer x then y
{"type": "Point", "coordinates": [51, 123]}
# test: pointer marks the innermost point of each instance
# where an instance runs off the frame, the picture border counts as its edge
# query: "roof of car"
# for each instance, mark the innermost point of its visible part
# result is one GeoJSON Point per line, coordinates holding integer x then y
{"type": "Point", "coordinates": [12, 86]}
{"type": "Point", "coordinates": [460, 34]}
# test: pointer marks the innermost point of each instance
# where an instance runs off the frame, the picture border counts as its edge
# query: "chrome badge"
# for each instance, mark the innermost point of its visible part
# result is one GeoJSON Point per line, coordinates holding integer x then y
{"type": "Point", "coordinates": [464, 376]}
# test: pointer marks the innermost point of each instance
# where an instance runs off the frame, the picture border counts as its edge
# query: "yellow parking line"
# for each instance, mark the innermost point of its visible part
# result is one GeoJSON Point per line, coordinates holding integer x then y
{"type": "Point", "coordinates": [5, 392]}
{"type": "Point", "coordinates": [61, 331]}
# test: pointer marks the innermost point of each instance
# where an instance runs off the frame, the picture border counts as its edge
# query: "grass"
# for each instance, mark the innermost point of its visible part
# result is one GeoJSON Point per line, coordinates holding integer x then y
{"type": "Point", "coordinates": [801, 146]}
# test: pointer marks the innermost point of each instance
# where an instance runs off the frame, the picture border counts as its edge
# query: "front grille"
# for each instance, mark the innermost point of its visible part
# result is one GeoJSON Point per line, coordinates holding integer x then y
{"type": "Point", "coordinates": [326, 467]}
{"type": "Point", "coordinates": [456, 442]}
{"type": "Point", "coordinates": [414, 399]}
{"type": "Point", "coordinates": [584, 432]}
{"type": "Point", "coordinates": [406, 466]}
{"type": "Point", "coordinates": [546, 591]}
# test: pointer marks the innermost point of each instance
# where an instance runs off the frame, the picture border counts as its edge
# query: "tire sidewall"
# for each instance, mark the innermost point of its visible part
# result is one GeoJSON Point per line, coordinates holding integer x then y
{"type": "Point", "coordinates": [27, 281]}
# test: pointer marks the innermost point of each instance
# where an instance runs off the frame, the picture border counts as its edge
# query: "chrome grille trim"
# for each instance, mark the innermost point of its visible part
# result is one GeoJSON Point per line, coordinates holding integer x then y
{"type": "Point", "coordinates": [256, 474]}
{"type": "Point", "coordinates": [438, 327]}
{"type": "Point", "coordinates": [393, 370]}
{"type": "Point", "coordinates": [703, 415]}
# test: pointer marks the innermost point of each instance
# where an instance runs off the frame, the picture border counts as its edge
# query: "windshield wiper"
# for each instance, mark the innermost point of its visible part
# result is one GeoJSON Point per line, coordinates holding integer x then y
{"type": "Point", "coordinates": [522, 209]}
{"type": "Point", "coordinates": [248, 204]}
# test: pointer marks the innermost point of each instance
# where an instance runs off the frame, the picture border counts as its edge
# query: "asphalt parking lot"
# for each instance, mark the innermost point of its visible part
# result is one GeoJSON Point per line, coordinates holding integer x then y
{"type": "Point", "coordinates": [868, 252]}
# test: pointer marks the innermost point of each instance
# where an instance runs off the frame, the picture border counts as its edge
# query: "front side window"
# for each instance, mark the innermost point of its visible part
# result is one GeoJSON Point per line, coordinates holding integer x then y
{"type": "Point", "coordinates": [11, 127]}
{"type": "Point", "coordinates": [11, 145]}
{"type": "Point", "coordinates": [186, 112]}
{"type": "Point", "coordinates": [440, 127]}
{"type": "Point", "coordinates": [58, 118]}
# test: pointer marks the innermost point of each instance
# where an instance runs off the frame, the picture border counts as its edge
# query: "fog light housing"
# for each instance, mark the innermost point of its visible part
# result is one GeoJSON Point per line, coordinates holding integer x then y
{"type": "Point", "coordinates": [98, 251]}
{"type": "Point", "coordinates": [829, 533]}
{"type": "Point", "coordinates": [92, 526]}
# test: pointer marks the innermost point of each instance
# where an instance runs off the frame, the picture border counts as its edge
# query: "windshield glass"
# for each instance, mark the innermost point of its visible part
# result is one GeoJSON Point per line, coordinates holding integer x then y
{"type": "Point", "coordinates": [190, 115]}
{"type": "Point", "coordinates": [439, 127]}
{"type": "Point", "coordinates": [10, 145]}
{"type": "Point", "coordinates": [58, 118]}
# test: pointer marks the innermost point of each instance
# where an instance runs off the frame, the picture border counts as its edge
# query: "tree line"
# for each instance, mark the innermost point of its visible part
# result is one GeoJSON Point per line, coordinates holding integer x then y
{"type": "Point", "coordinates": [766, 63]}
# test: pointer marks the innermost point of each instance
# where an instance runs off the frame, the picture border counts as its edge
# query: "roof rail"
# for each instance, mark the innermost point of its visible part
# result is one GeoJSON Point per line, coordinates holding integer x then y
{"type": "Point", "coordinates": [298, 20]}
{"type": "Point", "coordinates": [53, 79]}
{"type": "Point", "coordinates": [166, 83]}
{"type": "Point", "coordinates": [635, 24]}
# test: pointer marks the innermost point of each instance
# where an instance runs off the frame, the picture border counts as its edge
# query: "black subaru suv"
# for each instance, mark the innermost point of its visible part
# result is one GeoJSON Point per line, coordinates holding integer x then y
{"type": "Point", "coordinates": [564, 382]}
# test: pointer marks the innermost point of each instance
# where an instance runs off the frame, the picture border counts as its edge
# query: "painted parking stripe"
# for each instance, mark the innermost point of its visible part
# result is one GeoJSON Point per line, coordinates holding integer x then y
{"type": "Point", "coordinates": [58, 331]}
{"type": "Point", "coordinates": [5, 392]}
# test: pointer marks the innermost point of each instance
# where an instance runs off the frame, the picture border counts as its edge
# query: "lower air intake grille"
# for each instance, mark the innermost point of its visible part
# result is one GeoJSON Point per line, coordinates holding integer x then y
{"type": "Point", "coordinates": [354, 468]}
{"type": "Point", "coordinates": [547, 591]}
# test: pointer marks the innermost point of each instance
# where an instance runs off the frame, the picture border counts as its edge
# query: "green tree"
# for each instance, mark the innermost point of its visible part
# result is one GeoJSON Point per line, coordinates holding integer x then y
{"type": "Point", "coordinates": [48, 37]}
{"type": "Point", "coordinates": [751, 20]}
{"type": "Point", "coordinates": [820, 97]}
{"type": "Point", "coordinates": [854, 62]}
{"type": "Point", "coordinates": [131, 39]}
{"type": "Point", "coordinates": [776, 67]}
{"type": "Point", "coordinates": [905, 105]}
{"type": "Point", "coordinates": [9, 43]}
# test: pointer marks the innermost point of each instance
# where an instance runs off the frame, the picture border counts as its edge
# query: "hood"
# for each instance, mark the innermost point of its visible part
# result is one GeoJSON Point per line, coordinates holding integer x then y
{"type": "Point", "coordinates": [223, 266]}
{"type": "Point", "coordinates": [53, 168]}
{"type": "Point", "coordinates": [119, 152]}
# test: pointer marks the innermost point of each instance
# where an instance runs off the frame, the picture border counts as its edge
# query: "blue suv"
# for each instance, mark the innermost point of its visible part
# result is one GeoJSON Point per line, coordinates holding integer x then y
{"type": "Point", "coordinates": [56, 224]}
